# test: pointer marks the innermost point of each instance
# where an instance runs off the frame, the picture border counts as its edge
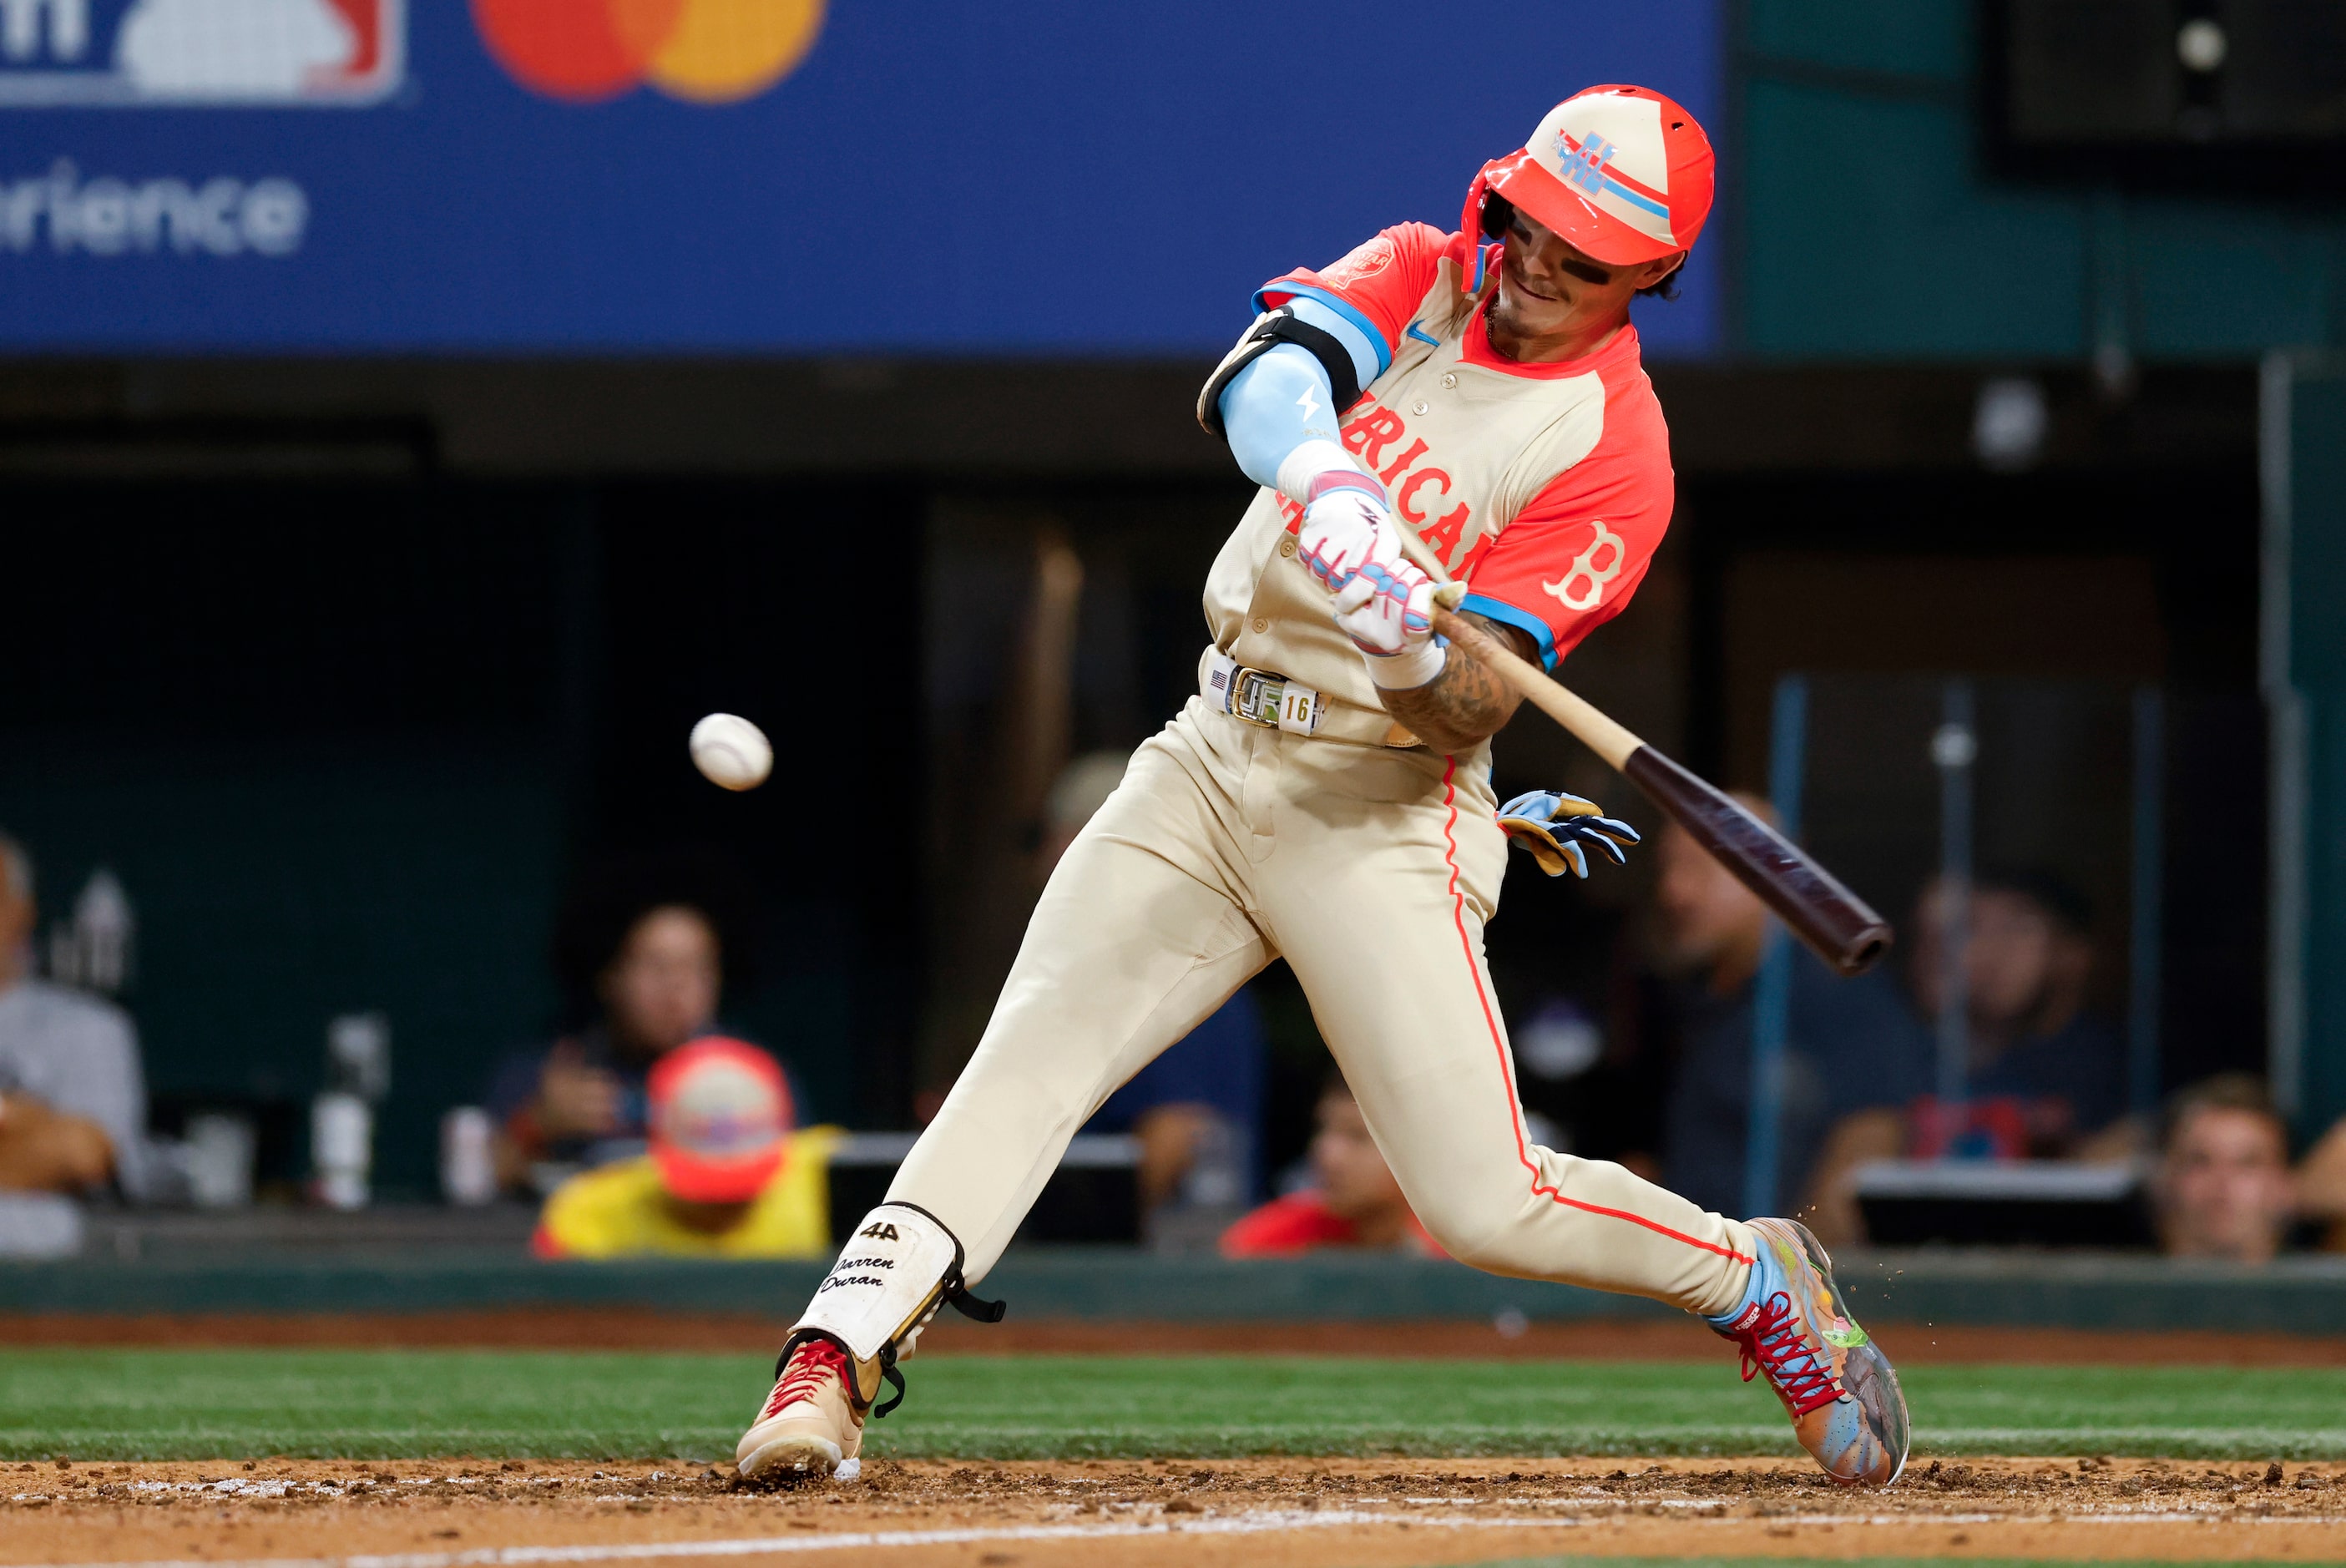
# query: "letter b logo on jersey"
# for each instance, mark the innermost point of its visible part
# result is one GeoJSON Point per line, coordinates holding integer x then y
{"type": "Point", "coordinates": [1583, 587]}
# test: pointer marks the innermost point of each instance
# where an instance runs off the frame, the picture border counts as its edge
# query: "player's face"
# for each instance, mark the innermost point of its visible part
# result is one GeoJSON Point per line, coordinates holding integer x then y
{"type": "Point", "coordinates": [1549, 286]}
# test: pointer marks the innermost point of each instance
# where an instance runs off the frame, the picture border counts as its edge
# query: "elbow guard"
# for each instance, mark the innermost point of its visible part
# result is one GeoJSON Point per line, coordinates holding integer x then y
{"type": "Point", "coordinates": [1273, 326]}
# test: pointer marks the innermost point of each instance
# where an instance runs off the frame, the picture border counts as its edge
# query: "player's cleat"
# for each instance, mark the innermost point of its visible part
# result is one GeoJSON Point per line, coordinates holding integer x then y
{"type": "Point", "coordinates": [811, 1423]}
{"type": "Point", "coordinates": [1840, 1390]}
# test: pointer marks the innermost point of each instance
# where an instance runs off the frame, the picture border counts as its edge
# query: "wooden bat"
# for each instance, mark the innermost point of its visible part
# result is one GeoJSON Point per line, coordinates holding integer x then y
{"type": "Point", "coordinates": [1838, 927]}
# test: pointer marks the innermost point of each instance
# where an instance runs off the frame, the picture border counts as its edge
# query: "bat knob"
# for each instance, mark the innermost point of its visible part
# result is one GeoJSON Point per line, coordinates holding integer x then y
{"type": "Point", "coordinates": [1450, 595]}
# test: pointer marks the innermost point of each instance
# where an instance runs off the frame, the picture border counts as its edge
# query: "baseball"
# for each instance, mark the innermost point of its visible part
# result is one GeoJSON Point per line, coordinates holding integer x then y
{"type": "Point", "coordinates": [731, 752]}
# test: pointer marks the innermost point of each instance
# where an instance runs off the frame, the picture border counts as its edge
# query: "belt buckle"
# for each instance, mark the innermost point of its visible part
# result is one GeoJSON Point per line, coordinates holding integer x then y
{"type": "Point", "coordinates": [1250, 687]}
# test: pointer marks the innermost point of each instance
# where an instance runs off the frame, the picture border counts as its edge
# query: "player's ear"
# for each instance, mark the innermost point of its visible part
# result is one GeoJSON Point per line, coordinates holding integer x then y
{"type": "Point", "coordinates": [1654, 271]}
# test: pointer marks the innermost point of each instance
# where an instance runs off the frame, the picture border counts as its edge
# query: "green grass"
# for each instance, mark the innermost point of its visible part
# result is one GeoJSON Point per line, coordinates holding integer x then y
{"type": "Point", "coordinates": [209, 1404]}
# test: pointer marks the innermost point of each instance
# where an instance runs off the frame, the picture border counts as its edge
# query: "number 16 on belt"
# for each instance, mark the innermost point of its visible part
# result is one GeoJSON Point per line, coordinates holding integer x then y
{"type": "Point", "coordinates": [1259, 697]}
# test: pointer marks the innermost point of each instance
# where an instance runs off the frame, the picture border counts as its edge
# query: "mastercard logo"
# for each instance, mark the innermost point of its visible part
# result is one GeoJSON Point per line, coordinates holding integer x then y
{"type": "Point", "coordinates": [705, 51]}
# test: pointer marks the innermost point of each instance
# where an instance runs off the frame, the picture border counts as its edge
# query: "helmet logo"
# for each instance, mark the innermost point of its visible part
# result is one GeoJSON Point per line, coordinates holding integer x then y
{"type": "Point", "coordinates": [1584, 166]}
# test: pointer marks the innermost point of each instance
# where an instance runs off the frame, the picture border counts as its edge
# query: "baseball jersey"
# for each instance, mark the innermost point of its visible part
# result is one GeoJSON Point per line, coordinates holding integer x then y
{"type": "Point", "coordinates": [1545, 487]}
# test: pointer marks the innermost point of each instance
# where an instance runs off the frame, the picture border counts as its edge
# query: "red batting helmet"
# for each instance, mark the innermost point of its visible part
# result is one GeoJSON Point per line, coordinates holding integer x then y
{"type": "Point", "coordinates": [1623, 173]}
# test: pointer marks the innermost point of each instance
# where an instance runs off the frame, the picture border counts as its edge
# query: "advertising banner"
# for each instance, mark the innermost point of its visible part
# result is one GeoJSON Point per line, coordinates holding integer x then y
{"type": "Point", "coordinates": [784, 177]}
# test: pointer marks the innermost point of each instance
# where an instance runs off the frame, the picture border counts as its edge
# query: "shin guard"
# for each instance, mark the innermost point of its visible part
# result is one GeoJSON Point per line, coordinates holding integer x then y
{"type": "Point", "coordinates": [899, 1266]}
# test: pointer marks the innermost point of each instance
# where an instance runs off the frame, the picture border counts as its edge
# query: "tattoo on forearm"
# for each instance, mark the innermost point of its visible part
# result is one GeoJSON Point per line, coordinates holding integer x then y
{"type": "Point", "coordinates": [1467, 701]}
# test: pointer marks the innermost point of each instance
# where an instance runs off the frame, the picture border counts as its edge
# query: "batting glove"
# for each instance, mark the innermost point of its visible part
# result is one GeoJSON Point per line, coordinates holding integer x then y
{"type": "Point", "coordinates": [1346, 525]}
{"type": "Point", "coordinates": [1385, 603]}
{"type": "Point", "coordinates": [1555, 826]}
{"type": "Point", "coordinates": [1387, 609]}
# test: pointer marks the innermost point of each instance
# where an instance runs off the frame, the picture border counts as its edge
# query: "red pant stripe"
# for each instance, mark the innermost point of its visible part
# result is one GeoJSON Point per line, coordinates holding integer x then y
{"type": "Point", "coordinates": [1499, 1040]}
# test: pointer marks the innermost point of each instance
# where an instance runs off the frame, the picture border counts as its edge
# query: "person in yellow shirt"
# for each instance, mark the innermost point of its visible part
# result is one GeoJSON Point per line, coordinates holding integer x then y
{"type": "Point", "coordinates": [726, 1175]}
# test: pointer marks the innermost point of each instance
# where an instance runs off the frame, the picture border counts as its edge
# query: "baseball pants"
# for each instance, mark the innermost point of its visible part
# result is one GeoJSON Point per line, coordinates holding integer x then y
{"type": "Point", "coordinates": [1373, 873]}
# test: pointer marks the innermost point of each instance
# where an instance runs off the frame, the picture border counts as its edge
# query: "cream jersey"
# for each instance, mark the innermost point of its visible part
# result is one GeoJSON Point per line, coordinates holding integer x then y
{"type": "Point", "coordinates": [1545, 487]}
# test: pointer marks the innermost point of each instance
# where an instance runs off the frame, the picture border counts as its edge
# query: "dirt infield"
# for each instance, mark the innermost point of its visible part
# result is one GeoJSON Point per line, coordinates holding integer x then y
{"type": "Point", "coordinates": [636, 1329]}
{"type": "Point", "coordinates": [1286, 1513]}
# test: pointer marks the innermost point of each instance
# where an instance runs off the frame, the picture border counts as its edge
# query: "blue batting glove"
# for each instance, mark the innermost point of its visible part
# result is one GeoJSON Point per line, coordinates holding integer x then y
{"type": "Point", "coordinates": [1553, 826]}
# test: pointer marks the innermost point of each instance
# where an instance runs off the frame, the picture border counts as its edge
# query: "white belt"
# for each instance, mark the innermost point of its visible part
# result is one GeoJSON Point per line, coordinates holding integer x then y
{"type": "Point", "coordinates": [1257, 696]}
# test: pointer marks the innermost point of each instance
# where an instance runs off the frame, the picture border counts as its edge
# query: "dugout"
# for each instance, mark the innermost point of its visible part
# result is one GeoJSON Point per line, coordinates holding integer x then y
{"type": "Point", "coordinates": [347, 697]}
{"type": "Point", "coordinates": [363, 588]}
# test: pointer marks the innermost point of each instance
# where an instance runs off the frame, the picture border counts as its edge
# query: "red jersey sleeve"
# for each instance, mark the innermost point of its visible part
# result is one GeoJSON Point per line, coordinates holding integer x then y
{"type": "Point", "coordinates": [1573, 558]}
{"type": "Point", "coordinates": [1382, 281]}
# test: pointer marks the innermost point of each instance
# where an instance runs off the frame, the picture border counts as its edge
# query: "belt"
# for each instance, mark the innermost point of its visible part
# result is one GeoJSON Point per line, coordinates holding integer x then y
{"type": "Point", "coordinates": [1273, 701]}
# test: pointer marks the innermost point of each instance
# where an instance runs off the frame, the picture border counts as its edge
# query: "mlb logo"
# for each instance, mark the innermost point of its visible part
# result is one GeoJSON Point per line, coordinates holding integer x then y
{"type": "Point", "coordinates": [194, 53]}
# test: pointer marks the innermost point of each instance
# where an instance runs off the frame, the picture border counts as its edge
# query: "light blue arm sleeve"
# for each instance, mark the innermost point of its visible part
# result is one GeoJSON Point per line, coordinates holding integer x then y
{"type": "Point", "coordinates": [1273, 406]}
{"type": "Point", "coordinates": [1284, 398]}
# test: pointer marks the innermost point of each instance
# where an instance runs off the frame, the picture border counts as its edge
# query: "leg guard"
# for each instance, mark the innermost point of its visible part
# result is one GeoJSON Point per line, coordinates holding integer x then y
{"type": "Point", "coordinates": [901, 1265]}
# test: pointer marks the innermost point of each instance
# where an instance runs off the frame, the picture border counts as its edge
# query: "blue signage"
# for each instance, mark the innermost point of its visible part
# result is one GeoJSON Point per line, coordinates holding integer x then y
{"type": "Point", "coordinates": [755, 176]}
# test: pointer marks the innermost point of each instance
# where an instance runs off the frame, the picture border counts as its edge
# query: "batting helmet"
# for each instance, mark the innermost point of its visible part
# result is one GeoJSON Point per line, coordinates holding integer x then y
{"type": "Point", "coordinates": [1623, 173]}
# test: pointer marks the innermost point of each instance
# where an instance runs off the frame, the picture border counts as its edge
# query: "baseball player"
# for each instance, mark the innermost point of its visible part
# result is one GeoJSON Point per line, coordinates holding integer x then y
{"type": "Point", "coordinates": [1326, 795]}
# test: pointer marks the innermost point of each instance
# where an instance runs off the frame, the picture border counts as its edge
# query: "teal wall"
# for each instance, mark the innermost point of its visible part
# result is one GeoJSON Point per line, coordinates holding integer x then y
{"type": "Point", "coordinates": [2315, 675]}
{"type": "Point", "coordinates": [277, 885]}
{"type": "Point", "coordinates": [1871, 231]}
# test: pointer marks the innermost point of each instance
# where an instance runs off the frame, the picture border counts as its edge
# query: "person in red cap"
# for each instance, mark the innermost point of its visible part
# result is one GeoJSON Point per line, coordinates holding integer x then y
{"type": "Point", "coordinates": [725, 1175]}
{"type": "Point", "coordinates": [1326, 797]}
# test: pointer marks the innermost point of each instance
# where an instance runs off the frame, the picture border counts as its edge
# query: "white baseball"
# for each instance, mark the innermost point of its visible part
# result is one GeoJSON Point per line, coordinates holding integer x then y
{"type": "Point", "coordinates": [731, 752]}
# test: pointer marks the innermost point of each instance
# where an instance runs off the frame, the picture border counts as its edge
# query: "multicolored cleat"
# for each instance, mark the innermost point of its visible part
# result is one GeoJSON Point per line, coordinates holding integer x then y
{"type": "Point", "coordinates": [1836, 1384]}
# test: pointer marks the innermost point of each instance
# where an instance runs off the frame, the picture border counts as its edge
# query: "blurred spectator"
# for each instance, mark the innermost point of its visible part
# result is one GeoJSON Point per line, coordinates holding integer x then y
{"type": "Point", "coordinates": [1850, 1044]}
{"type": "Point", "coordinates": [2046, 1079]}
{"type": "Point", "coordinates": [727, 1175]}
{"type": "Point", "coordinates": [2223, 1187]}
{"type": "Point", "coordinates": [1197, 1109]}
{"type": "Point", "coordinates": [2044, 1073]}
{"type": "Point", "coordinates": [1354, 1200]}
{"type": "Point", "coordinates": [1571, 1100]}
{"type": "Point", "coordinates": [652, 952]}
{"type": "Point", "coordinates": [1197, 1112]}
{"type": "Point", "coordinates": [72, 1095]}
{"type": "Point", "coordinates": [2321, 1186]}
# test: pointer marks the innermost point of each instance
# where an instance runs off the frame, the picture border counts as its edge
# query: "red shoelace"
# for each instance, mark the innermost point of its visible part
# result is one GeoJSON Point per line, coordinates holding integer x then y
{"type": "Point", "coordinates": [813, 1361]}
{"type": "Point", "coordinates": [1795, 1368]}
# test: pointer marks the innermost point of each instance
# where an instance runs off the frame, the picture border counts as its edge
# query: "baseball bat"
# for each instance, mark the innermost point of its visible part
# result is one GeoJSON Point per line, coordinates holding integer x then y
{"type": "Point", "coordinates": [1838, 927]}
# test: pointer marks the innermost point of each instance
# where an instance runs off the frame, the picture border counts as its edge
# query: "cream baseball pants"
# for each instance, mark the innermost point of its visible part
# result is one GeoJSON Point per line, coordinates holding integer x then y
{"type": "Point", "coordinates": [1371, 871]}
